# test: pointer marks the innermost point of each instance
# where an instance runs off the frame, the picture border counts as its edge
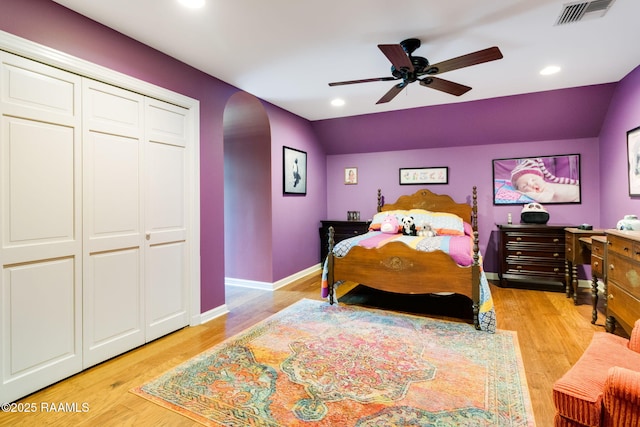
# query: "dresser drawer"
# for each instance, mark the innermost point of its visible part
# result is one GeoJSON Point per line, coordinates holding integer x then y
{"type": "Point", "coordinates": [597, 248]}
{"type": "Point", "coordinates": [512, 237]}
{"type": "Point", "coordinates": [545, 254]}
{"type": "Point", "coordinates": [625, 306]}
{"type": "Point", "coordinates": [624, 272]}
{"type": "Point", "coordinates": [597, 267]}
{"type": "Point", "coordinates": [618, 245]}
{"type": "Point", "coordinates": [535, 266]}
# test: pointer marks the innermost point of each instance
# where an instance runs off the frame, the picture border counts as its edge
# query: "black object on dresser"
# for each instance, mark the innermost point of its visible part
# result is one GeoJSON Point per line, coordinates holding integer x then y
{"type": "Point", "coordinates": [532, 256]}
{"type": "Point", "coordinates": [342, 230]}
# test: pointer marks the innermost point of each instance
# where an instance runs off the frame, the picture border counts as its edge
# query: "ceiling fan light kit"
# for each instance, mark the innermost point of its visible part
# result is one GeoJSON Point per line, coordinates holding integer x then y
{"type": "Point", "coordinates": [409, 68]}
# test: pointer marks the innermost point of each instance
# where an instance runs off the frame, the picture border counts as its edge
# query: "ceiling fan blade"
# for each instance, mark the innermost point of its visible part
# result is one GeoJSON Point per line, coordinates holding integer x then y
{"type": "Point", "coordinates": [398, 57]}
{"type": "Point", "coordinates": [350, 82]}
{"type": "Point", "coordinates": [479, 57]}
{"type": "Point", "coordinates": [392, 93]}
{"type": "Point", "coordinates": [443, 85]}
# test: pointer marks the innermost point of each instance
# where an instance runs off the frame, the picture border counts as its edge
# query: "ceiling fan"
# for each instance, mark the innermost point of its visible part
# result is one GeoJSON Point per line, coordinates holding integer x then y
{"type": "Point", "coordinates": [409, 69]}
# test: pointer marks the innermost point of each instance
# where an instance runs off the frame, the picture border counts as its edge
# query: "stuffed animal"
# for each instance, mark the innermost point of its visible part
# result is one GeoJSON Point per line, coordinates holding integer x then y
{"type": "Point", "coordinates": [426, 230]}
{"type": "Point", "coordinates": [389, 224]}
{"type": "Point", "coordinates": [408, 226]}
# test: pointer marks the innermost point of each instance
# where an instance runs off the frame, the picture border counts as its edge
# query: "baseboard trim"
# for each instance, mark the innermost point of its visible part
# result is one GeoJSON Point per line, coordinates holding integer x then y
{"type": "Point", "coordinates": [267, 286]}
{"type": "Point", "coordinates": [213, 313]}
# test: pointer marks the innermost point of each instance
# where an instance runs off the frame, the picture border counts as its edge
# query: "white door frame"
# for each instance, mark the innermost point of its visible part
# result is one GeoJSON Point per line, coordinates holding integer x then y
{"type": "Point", "coordinates": [44, 54]}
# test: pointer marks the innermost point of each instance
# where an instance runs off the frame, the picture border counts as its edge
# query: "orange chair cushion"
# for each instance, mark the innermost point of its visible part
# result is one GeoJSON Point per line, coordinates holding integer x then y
{"type": "Point", "coordinates": [578, 394]}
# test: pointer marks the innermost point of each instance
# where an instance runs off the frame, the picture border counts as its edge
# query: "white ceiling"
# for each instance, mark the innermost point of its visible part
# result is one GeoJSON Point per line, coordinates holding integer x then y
{"type": "Point", "coordinates": [287, 51]}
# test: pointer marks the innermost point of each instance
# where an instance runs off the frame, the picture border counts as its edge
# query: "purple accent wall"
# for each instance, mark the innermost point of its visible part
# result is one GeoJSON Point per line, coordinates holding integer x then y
{"type": "Point", "coordinates": [543, 116]}
{"type": "Point", "coordinates": [623, 115]}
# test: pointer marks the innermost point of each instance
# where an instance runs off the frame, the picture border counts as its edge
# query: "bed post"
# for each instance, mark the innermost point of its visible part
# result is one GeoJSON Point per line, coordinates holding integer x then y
{"type": "Point", "coordinates": [379, 200]}
{"type": "Point", "coordinates": [331, 243]}
{"type": "Point", "coordinates": [475, 268]}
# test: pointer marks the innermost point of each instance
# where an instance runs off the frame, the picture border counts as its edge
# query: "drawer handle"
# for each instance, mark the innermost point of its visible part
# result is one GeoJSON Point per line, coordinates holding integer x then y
{"type": "Point", "coordinates": [355, 231]}
{"type": "Point", "coordinates": [610, 296]}
{"type": "Point", "coordinates": [518, 238]}
{"type": "Point", "coordinates": [518, 253]}
{"type": "Point", "coordinates": [596, 263]}
{"type": "Point", "coordinates": [519, 267]}
{"type": "Point", "coordinates": [556, 255]}
{"type": "Point", "coordinates": [556, 240]}
{"type": "Point", "coordinates": [555, 270]}
{"type": "Point", "coordinates": [626, 249]}
{"type": "Point", "coordinates": [610, 266]}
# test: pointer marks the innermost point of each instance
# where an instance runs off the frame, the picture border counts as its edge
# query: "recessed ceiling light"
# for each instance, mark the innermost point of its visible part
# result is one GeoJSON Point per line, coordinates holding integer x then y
{"type": "Point", "coordinates": [193, 4]}
{"type": "Point", "coordinates": [337, 102]}
{"type": "Point", "coordinates": [551, 69]}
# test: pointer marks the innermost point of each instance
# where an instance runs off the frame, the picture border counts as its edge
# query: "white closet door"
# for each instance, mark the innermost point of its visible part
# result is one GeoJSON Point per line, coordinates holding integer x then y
{"type": "Point", "coordinates": [40, 230]}
{"type": "Point", "coordinates": [166, 261]}
{"type": "Point", "coordinates": [113, 131]}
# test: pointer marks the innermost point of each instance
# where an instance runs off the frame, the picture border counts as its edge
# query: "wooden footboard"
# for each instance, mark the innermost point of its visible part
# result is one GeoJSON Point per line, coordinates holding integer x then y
{"type": "Point", "coordinates": [395, 267]}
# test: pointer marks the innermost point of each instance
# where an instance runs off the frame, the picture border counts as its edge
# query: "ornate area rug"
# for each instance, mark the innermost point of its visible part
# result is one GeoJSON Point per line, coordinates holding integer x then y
{"type": "Point", "coordinates": [314, 364]}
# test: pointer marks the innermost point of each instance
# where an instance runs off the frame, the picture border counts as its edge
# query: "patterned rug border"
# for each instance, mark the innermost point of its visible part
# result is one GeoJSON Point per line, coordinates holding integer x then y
{"type": "Point", "coordinates": [262, 324]}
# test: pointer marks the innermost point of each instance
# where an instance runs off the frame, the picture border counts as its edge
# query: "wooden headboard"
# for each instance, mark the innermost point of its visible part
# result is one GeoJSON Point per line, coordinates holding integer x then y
{"type": "Point", "coordinates": [425, 199]}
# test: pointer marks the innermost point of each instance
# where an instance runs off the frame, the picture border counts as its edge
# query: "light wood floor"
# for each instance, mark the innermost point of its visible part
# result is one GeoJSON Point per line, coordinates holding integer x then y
{"type": "Point", "coordinates": [552, 332]}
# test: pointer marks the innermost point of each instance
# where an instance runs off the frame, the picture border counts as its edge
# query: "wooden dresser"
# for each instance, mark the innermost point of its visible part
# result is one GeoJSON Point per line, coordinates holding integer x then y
{"type": "Point", "coordinates": [622, 257]}
{"type": "Point", "coordinates": [342, 230]}
{"type": "Point", "coordinates": [532, 256]}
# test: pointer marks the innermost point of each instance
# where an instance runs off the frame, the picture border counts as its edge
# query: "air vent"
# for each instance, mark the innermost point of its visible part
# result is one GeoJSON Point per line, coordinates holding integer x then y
{"type": "Point", "coordinates": [579, 11]}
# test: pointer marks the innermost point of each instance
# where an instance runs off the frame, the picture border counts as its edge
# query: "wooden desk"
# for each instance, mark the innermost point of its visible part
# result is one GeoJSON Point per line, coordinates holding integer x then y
{"type": "Point", "coordinates": [576, 253]}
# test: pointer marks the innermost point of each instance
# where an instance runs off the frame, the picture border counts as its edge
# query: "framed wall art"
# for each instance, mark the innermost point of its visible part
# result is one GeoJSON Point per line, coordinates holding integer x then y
{"type": "Point", "coordinates": [633, 158]}
{"type": "Point", "coordinates": [350, 176]}
{"type": "Point", "coordinates": [545, 179]}
{"type": "Point", "coordinates": [294, 171]}
{"type": "Point", "coordinates": [423, 176]}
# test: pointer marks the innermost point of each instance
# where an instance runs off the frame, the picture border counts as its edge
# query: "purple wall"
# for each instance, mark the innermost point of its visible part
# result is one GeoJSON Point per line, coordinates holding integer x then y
{"type": "Point", "coordinates": [543, 116]}
{"type": "Point", "coordinates": [296, 218]}
{"type": "Point", "coordinates": [623, 115]}
{"type": "Point", "coordinates": [247, 189]}
{"type": "Point", "coordinates": [52, 25]}
{"type": "Point", "coordinates": [468, 166]}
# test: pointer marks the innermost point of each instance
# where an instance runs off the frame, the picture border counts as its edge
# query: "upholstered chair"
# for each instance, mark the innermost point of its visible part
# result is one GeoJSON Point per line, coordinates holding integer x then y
{"type": "Point", "coordinates": [603, 387]}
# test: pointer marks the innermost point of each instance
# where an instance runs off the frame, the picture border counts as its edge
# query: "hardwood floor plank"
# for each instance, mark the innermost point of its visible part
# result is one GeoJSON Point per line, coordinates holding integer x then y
{"type": "Point", "coordinates": [552, 332]}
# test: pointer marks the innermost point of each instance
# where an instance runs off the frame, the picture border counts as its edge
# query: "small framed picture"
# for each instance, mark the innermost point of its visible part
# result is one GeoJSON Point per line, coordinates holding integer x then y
{"type": "Point", "coordinates": [294, 171]}
{"type": "Point", "coordinates": [633, 157]}
{"type": "Point", "coordinates": [350, 176]}
{"type": "Point", "coordinates": [420, 176]}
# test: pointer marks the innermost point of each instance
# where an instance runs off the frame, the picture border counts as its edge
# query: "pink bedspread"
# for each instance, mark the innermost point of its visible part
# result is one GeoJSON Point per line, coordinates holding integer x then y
{"type": "Point", "coordinates": [460, 248]}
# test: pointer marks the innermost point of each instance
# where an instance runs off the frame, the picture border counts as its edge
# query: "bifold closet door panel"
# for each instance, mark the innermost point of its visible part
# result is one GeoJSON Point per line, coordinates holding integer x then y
{"type": "Point", "coordinates": [40, 226]}
{"type": "Point", "coordinates": [113, 152]}
{"type": "Point", "coordinates": [166, 259]}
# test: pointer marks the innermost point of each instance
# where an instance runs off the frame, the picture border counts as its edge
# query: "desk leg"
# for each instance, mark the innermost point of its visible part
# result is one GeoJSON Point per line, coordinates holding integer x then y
{"type": "Point", "coordinates": [567, 277]}
{"type": "Point", "coordinates": [574, 283]}
{"type": "Point", "coordinates": [594, 299]}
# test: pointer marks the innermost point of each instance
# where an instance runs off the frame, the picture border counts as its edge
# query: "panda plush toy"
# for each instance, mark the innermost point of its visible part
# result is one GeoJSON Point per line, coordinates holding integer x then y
{"type": "Point", "coordinates": [408, 226]}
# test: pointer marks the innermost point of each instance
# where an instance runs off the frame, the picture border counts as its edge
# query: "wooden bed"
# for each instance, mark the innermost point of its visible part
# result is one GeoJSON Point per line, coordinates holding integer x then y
{"type": "Point", "coordinates": [395, 267]}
